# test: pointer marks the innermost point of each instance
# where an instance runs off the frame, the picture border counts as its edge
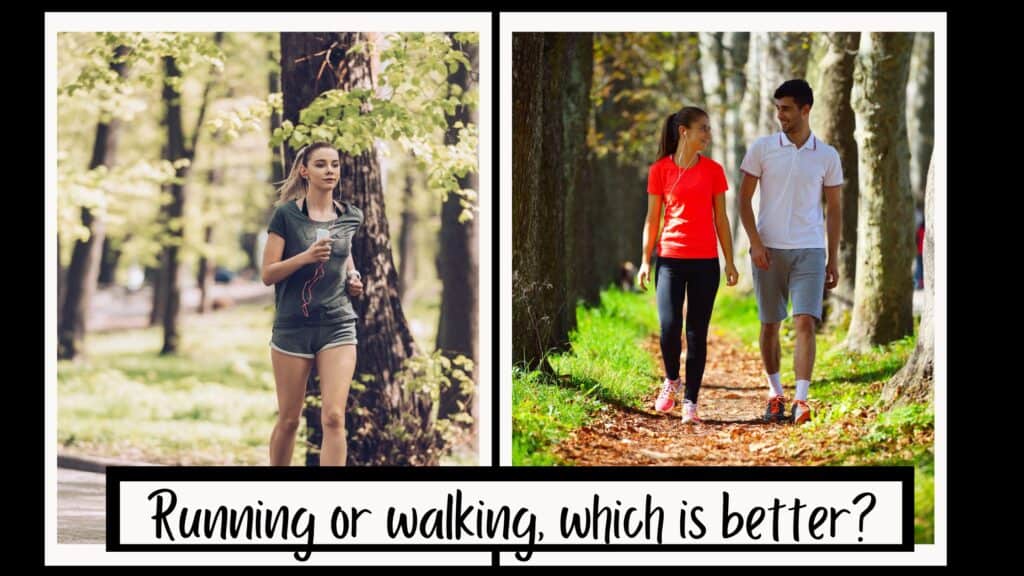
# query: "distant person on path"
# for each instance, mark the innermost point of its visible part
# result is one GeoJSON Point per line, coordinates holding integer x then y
{"type": "Point", "coordinates": [787, 244]}
{"type": "Point", "coordinates": [691, 188]}
{"type": "Point", "coordinates": [308, 259]}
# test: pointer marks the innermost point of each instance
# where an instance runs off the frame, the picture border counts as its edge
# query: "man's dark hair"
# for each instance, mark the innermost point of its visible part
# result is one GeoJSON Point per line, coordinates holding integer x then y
{"type": "Point", "coordinates": [799, 90]}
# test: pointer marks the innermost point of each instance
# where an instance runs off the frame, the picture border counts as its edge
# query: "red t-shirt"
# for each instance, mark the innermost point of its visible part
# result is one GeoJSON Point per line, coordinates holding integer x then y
{"type": "Point", "coordinates": [689, 230]}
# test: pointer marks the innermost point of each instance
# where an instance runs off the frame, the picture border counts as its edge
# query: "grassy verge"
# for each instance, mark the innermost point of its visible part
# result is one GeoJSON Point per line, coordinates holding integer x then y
{"type": "Point", "coordinates": [607, 363]}
{"type": "Point", "coordinates": [214, 403]}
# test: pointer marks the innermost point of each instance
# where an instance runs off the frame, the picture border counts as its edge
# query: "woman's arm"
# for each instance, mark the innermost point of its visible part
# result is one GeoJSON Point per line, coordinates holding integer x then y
{"type": "Point", "coordinates": [276, 270]}
{"type": "Point", "coordinates": [725, 239]}
{"type": "Point", "coordinates": [652, 226]}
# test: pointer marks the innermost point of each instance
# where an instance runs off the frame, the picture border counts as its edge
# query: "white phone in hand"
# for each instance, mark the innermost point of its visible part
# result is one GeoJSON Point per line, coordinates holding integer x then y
{"type": "Point", "coordinates": [322, 233]}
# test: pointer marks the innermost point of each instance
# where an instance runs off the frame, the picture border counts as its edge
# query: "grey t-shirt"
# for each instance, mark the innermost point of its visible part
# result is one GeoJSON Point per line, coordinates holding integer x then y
{"type": "Point", "coordinates": [315, 293]}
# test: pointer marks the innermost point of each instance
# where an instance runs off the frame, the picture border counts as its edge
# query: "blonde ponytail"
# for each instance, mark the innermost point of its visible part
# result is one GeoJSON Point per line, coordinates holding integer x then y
{"type": "Point", "coordinates": [294, 186]}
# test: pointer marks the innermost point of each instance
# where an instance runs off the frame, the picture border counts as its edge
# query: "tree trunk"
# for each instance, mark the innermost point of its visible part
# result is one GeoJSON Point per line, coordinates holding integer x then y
{"type": "Point", "coordinates": [750, 116]}
{"type": "Point", "coordinates": [882, 310]}
{"type": "Point", "coordinates": [159, 280]}
{"type": "Point", "coordinates": [915, 382]}
{"type": "Point", "coordinates": [251, 241]}
{"type": "Point", "coordinates": [204, 274]}
{"type": "Point", "coordinates": [458, 261]}
{"type": "Point", "coordinates": [80, 280]}
{"type": "Point", "coordinates": [536, 259]}
{"type": "Point", "coordinates": [617, 193]}
{"type": "Point", "coordinates": [174, 211]}
{"type": "Point", "coordinates": [205, 271]}
{"type": "Point", "coordinates": [83, 272]}
{"type": "Point", "coordinates": [62, 287]}
{"type": "Point", "coordinates": [552, 74]}
{"type": "Point", "coordinates": [108, 263]}
{"type": "Point", "coordinates": [921, 111]}
{"type": "Point", "coordinates": [712, 67]}
{"type": "Point", "coordinates": [384, 338]}
{"type": "Point", "coordinates": [406, 243]}
{"type": "Point", "coordinates": [833, 121]}
{"type": "Point", "coordinates": [575, 53]}
{"type": "Point", "coordinates": [178, 148]}
{"type": "Point", "coordinates": [558, 175]}
{"type": "Point", "coordinates": [735, 50]}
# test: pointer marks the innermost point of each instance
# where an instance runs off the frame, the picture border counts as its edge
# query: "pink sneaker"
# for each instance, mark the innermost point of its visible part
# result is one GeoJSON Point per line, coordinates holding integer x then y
{"type": "Point", "coordinates": [690, 413]}
{"type": "Point", "coordinates": [666, 399]}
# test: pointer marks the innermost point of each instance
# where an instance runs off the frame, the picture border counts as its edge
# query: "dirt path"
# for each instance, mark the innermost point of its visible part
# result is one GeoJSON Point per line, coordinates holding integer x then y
{"type": "Point", "coordinates": [732, 400]}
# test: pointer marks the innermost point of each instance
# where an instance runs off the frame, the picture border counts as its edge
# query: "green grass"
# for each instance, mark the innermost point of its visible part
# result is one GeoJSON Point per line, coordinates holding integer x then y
{"type": "Point", "coordinates": [608, 353]}
{"type": "Point", "coordinates": [212, 404]}
{"type": "Point", "coordinates": [608, 363]}
{"type": "Point", "coordinates": [543, 414]}
{"type": "Point", "coordinates": [924, 498]}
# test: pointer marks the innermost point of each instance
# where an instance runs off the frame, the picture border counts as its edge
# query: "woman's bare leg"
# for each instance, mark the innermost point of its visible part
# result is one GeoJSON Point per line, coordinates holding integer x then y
{"type": "Point", "coordinates": [336, 366]}
{"type": "Point", "coordinates": [290, 375]}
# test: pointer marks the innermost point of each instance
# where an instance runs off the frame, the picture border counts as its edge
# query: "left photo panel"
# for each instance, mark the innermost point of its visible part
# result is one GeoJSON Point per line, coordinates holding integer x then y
{"type": "Point", "coordinates": [263, 246]}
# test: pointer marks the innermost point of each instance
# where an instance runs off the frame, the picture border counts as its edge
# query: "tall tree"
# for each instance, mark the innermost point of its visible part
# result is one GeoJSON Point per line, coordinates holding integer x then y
{"type": "Point", "coordinates": [552, 73]}
{"type": "Point", "coordinates": [921, 111]}
{"type": "Point", "coordinates": [181, 151]}
{"type": "Point", "coordinates": [82, 274]}
{"type": "Point", "coordinates": [537, 263]}
{"type": "Point", "coordinates": [882, 309]}
{"type": "Point", "coordinates": [250, 240]}
{"type": "Point", "coordinates": [915, 382]}
{"type": "Point", "coordinates": [109, 259]}
{"type": "Point", "coordinates": [735, 50]}
{"type": "Point", "coordinates": [406, 244]}
{"type": "Point", "coordinates": [833, 121]}
{"type": "Point", "coordinates": [750, 117]}
{"type": "Point", "coordinates": [62, 285]}
{"type": "Point", "coordinates": [205, 270]}
{"type": "Point", "coordinates": [156, 275]}
{"type": "Point", "coordinates": [576, 61]}
{"type": "Point", "coordinates": [712, 72]}
{"type": "Point", "coordinates": [458, 260]}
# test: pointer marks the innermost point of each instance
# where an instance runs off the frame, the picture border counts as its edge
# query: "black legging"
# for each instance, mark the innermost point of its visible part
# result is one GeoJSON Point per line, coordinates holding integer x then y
{"type": "Point", "coordinates": [697, 279]}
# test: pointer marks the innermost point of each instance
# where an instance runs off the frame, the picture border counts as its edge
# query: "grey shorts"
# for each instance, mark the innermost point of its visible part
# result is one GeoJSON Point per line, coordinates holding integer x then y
{"type": "Point", "coordinates": [306, 341]}
{"type": "Point", "coordinates": [797, 275]}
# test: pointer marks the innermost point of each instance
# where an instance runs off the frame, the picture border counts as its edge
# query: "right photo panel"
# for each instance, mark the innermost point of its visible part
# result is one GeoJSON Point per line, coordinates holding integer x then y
{"type": "Point", "coordinates": [723, 247]}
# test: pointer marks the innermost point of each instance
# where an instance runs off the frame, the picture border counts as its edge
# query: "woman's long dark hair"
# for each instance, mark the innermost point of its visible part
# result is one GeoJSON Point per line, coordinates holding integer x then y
{"type": "Point", "coordinates": [670, 134]}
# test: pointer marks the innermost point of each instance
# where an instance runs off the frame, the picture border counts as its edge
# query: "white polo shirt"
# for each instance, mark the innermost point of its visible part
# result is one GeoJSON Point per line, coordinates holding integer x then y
{"type": "Point", "coordinates": [791, 181]}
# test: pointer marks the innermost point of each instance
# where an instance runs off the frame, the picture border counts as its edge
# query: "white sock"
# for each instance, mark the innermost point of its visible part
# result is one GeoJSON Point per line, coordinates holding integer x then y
{"type": "Point", "coordinates": [776, 383]}
{"type": "Point", "coordinates": [801, 389]}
